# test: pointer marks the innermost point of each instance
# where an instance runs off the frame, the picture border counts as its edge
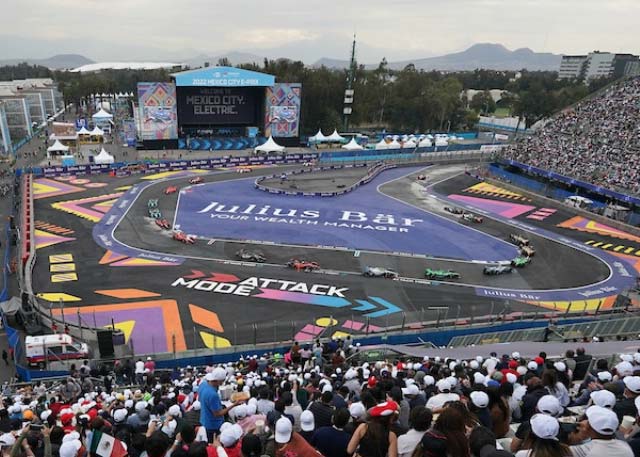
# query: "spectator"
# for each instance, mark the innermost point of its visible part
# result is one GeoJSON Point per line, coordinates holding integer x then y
{"type": "Point", "coordinates": [375, 438]}
{"type": "Point", "coordinates": [542, 440]}
{"type": "Point", "coordinates": [333, 441]}
{"type": "Point", "coordinates": [289, 443]}
{"type": "Point", "coordinates": [601, 425]}
{"type": "Point", "coordinates": [322, 410]}
{"type": "Point", "coordinates": [447, 437]}
{"type": "Point", "coordinates": [420, 421]}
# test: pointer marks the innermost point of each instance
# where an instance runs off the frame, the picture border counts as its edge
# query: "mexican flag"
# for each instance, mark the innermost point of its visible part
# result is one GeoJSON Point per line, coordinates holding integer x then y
{"type": "Point", "coordinates": [106, 445]}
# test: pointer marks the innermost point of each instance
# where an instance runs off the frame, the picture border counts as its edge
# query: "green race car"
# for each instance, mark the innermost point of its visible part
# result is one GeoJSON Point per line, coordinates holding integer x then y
{"type": "Point", "coordinates": [155, 213]}
{"type": "Point", "coordinates": [441, 274]}
{"type": "Point", "coordinates": [152, 203]}
{"type": "Point", "coordinates": [520, 261]}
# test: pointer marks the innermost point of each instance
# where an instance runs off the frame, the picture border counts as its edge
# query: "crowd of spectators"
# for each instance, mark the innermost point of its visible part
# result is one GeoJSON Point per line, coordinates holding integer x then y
{"type": "Point", "coordinates": [316, 401]}
{"type": "Point", "coordinates": [596, 141]}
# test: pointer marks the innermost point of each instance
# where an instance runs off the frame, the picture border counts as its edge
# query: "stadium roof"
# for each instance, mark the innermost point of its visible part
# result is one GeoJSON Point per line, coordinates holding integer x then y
{"type": "Point", "coordinates": [125, 66]}
{"type": "Point", "coordinates": [223, 77]}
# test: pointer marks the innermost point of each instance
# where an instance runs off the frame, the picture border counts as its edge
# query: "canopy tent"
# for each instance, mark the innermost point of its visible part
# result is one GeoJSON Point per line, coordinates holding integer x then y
{"type": "Point", "coordinates": [269, 146]}
{"type": "Point", "coordinates": [394, 145]}
{"type": "Point", "coordinates": [442, 142]}
{"type": "Point", "coordinates": [382, 144]}
{"type": "Point", "coordinates": [425, 143]}
{"type": "Point", "coordinates": [352, 145]}
{"type": "Point", "coordinates": [58, 147]}
{"type": "Point", "coordinates": [84, 131]}
{"type": "Point", "coordinates": [103, 157]}
{"type": "Point", "coordinates": [102, 115]}
{"type": "Point", "coordinates": [11, 306]}
{"type": "Point", "coordinates": [96, 131]}
{"type": "Point", "coordinates": [318, 137]}
{"type": "Point", "coordinates": [409, 145]}
{"type": "Point", "coordinates": [335, 137]}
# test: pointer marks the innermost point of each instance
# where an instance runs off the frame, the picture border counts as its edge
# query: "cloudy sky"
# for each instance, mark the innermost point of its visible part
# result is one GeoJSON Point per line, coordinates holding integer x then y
{"type": "Point", "coordinates": [177, 30]}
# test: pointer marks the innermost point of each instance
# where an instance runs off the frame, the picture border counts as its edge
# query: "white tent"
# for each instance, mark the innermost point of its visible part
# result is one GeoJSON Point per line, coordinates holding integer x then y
{"type": "Point", "coordinates": [96, 131]}
{"type": "Point", "coordinates": [409, 145]}
{"type": "Point", "coordinates": [58, 147]}
{"type": "Point", "coordinates": [84, 131]}
{"type": "Point", "coordinates": [382, 144]}
{"type": "Point", "coordinates": [318, 137]}
{"type": "Point", "coordinates": [103, 157]}
{"type": "Point", "coordinates": [102, 115]}
{"type": "Point", "coordinates": [269, 146]}
{"type": "Point", "coordinates": [442, 142]}
{"type": "Point", "coordinates": [394, 145]}
{"type": "Point", "coordinates": [425, 143]}
{"type": "Point", "coordinates": [352, 145]}
{"type": "Point", "coordinates": [335, 137]}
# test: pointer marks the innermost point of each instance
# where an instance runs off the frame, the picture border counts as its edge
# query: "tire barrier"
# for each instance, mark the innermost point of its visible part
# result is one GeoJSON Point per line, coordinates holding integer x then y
{"type": "Point", "coordinates": [373, 172]}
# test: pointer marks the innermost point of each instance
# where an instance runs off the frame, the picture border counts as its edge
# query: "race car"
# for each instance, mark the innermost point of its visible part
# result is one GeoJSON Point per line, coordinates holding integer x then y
{"type": "Point", "coordinates": [518, 240]}
{"type": "Point", "coordinates": [422, 178]}
{"type": "Point", "coordinates": [453, 210]}
{"type": "Point", "coordinates": [183, 237]}
{"type": "Point", "coordinates": [441, 274]}
{"type": "Point", "coordinates": [527, 251]}
{"type": "Point", "coordinates": [250, 256]}
{"type": "Point", "coordinates": [152, 203]}
{"type": "Point", "coordinates": [242, 170]}
{"type": "Point", "coordinates": [303, 265]}
{"type": "Point", "coordinates": [155, 213]}
{"type": "Point", "coordinates": [163, 223]}
{"type": "Point", "coordinates": [520, 261]}
{"type": "Point", "coordinates": [379, 272]}
{"type": "Point", "coordinates": [195, 180]}
{"type": "Point", "coordinates": [470, 217]}
{"type": "Point", "coordinates": [170, 190]}
{"type": "Point", "coordinates": [494, 270]}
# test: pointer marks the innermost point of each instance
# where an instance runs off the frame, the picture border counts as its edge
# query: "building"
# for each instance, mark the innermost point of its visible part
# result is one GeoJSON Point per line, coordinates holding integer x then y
{"type": "Point", "coordinates": [572, 67]}
{"type": "Point", "coordinates": [6, 147]}
{"type": "Point", "coordinates": [597, 65]}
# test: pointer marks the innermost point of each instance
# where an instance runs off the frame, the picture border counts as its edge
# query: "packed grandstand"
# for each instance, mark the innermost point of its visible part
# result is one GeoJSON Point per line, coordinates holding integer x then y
{"type": "Point", "coordinates": [597, 140]}
{"type": "Point", "coordinates": [323, 399]}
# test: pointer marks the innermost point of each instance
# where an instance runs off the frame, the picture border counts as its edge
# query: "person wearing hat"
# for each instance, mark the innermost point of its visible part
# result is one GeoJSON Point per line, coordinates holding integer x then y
{"type": "Point", "coordinates": [211, 410]}
{"type": "Point", "coordinates": [290, 443]}
{"type": "Point", "coordinates": [600, 425]}
{"type": "Point", "coordinates": [479, 406]}
{"type": "Point", "coordinates": [626, 406]}
{"type": "Point", "coordinates": [307, 425]}
{"type": "Point", "coordinates": [547, 404]}
{"type": "Point", "coordinates": [542, 440]}
{"type": "Point", "coordinates": [444, 395]}
{"type": "Point", "coordinates": [375, 437]}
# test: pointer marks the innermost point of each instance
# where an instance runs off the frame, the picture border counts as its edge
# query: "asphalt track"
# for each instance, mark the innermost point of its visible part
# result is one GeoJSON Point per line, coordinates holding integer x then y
{"type": "Point", "coordinates": [169, 295]}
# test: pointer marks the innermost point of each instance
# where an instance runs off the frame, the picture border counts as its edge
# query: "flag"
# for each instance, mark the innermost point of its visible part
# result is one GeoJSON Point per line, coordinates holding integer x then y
{"type": "Point", "coordinates": [107, 446]}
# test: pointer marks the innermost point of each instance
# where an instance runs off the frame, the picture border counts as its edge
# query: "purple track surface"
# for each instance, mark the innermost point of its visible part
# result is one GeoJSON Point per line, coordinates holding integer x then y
{"type": "Point", "coordinates": [431, 235]}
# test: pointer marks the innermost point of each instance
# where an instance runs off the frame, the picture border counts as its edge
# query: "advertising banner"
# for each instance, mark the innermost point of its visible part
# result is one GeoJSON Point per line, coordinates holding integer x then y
{"type": "Point", "coordinates": [217, 105]}
{"type": "Point", "coordinates": [157, 111]}
{"type": "Point", "coordinates": [282, 110]}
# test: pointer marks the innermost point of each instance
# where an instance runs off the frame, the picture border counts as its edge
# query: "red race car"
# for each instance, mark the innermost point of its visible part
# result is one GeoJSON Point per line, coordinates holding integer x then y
{"type": "Point", "coordinates": [183, 237]}
{"type": "Point", "coordinates": [170, 190]}
{"type": "Point", "coordinates": [195, 180]}
{"type": "Point", "coordinates": [303, 265]}
{"type": "Point", "coordinates": [163, 223]}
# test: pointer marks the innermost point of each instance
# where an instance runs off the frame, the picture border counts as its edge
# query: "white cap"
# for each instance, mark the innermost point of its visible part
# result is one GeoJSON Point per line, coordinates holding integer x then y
{"type": "Point", "coordinates": [626, 357]}
{"type": "Point", "coordinates": [560, 366]}
{"type": "Point", "coordinates": [602, 420]}
{"type": "Point", "coordinates": [69, 448]}
{"type": "Point", "coordinates": [174, 410]}
{"type": "Point", "coordinates": [604, 376]}
{"type": "Point", "coordinates": [307, 421]}
{"type": "Point", "coordinates": [284, 429]}
{"type": "Point", "coordinates": [473, 365]}
{"type": "Point", "coordinates": [119, 415]}
{"type": "Point", "coordinates": [603, 398]}
{"type": "Point", "coordinates": [357, 410]}
{"type": "Point", "coordinates": [548, 404]}
{"type": "Point", "coordinates": [71, 436]}
{"type": "Point", "coordinates": [480, 399]}
{"type": "Point", "coordinates": [327, 388]}
{"type": "Point", "coordinates": [218, 374]}
{"type": "Point", "coordinates": [624, 369]}
{"type": "Point", "coordinates": [429, 380]}
{"type": "Point", "coordinates": [7, 439]}
{"type": "Point", "coordinates": [411, 390]}
{"type": "Point", "coordinates": [141, 405]}
{"type": "Point", "coordinates": [519, 392]}
{"type": "Point", "coordinates": [443, 385]}
{"type": "Point", "coordinates": [453, 381]}
{"type": "Point", "coordinates": [511, 378]}
{"type": "Point", "coordinates": [478, 378]}
{"type": "Point", "coordinates": [545, 427]}
{"type": "Point", "coordinates": [228, 437]}
{"type": "Point", "coordinates": [515, 355]}
{"type": "Point", "coordinates": [533, 365]}
{"type": "Point", "coordinates": [240, 411]}
{"type": "Point", "coordinates": [632, 383]}
{"type": "Point", "coordinates": [522, 370]}
{"type": "Point", "coordinates": [196, 406]}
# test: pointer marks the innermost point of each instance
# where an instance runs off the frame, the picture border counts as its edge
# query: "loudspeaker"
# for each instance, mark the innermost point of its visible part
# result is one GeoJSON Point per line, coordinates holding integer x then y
{"type": "Point", "coordinates": [105, 343]}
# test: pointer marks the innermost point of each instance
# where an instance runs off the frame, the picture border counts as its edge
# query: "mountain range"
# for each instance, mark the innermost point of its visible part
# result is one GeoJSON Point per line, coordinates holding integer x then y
{"type": "Point", "coordinates": [484, 55]}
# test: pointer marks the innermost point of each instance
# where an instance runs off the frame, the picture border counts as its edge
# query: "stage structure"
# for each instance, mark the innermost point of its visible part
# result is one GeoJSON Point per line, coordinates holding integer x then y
{"type": "Point", "coordinates": [218, 108]}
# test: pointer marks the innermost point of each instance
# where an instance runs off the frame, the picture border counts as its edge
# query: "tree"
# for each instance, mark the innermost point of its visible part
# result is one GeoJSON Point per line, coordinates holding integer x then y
{"type": "Point", "coordinates": [482, 102]}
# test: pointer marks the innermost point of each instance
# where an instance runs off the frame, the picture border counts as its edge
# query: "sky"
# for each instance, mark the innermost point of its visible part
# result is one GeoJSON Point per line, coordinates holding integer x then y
{"type": "Point", "coordinates": [178, 30]}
